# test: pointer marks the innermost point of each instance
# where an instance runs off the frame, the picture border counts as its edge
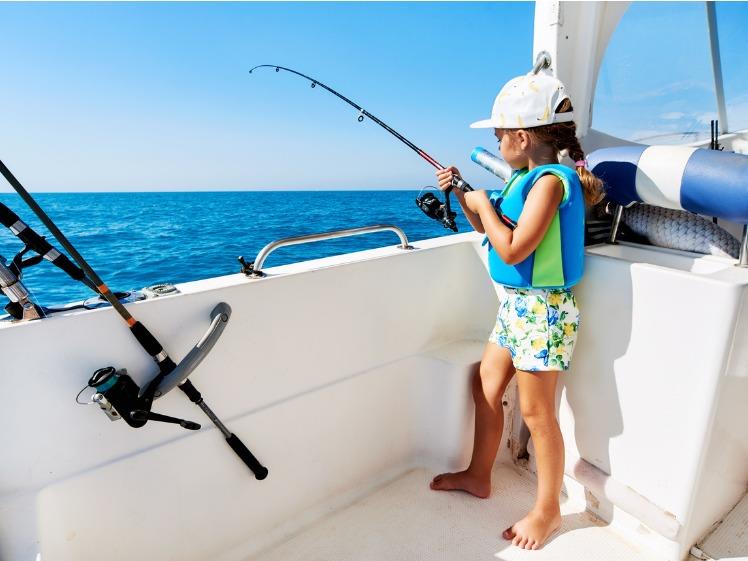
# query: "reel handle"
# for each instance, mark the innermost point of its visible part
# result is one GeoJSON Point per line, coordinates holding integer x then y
{"type": "Point", "coordinates": [143, 416]}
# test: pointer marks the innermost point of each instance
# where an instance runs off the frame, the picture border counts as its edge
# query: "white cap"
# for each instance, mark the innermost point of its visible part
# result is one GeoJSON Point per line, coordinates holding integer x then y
{"type": "Point", "coordinates": [527, 101]}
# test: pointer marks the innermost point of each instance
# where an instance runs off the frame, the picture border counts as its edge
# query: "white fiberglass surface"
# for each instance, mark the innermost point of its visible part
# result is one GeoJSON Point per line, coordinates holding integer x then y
{"type": "Point", "coordinates": [324, 373]}
{"type": "Point", "coordinates": [406, 520]}
{"type": "Point", "coordinates": [668, 258]}
{"type": "Point", "coordinates": [332, 390]}
{"type": "Point", "coordinates": [729, 540]}
{"type": "Point", "coordinates": [660, 358]}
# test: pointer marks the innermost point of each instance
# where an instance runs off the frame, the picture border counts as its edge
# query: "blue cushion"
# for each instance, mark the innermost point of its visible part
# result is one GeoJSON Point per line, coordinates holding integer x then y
{"type": "Point", "coordinates": [709, 182]}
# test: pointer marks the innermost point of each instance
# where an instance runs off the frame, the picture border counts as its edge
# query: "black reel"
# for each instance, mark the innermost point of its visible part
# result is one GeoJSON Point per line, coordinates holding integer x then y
{"type": "Point", "coordinates": [434, 208]}
{"type": "Point", "coordinates": [119, 397]}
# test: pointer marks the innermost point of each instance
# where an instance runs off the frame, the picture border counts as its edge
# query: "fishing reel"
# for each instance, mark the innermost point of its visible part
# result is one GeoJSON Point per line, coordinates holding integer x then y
{"type": "Point", "coordinates": [120, 397]}
{"type": "Point", "coordinates": [434, 208]}
{"type": "Point", "coordinates": [442, 211]}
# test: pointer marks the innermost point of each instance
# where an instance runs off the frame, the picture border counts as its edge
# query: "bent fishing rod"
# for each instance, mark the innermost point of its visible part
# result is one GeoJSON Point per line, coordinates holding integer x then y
{"type": "Point", "coordinates": [458, 182]}
{"type": "Point", "coordinates": [136, 404]}
{"type": "Point", "coordinates": [428, 203]}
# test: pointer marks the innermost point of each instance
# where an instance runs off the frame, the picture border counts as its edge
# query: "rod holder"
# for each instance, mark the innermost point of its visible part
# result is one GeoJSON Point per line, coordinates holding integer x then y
{"type": "Point", "coordinates": [616, 224]}
{"type": "Point", "coordinates": [219, 317]}
{"type": "Point", "coordinates": [743, 257]}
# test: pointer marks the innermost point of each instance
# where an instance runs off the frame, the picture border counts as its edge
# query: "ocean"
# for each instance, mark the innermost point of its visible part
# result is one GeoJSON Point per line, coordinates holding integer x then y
{"type": "Point", "coordinates": [133, 240]}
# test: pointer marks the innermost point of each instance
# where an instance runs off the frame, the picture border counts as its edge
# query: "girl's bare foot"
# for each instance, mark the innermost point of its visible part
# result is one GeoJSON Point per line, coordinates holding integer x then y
{"type": "Point", "coordinates": [534, 529]}
{"type": "Point", "coordinates": [462, 481]}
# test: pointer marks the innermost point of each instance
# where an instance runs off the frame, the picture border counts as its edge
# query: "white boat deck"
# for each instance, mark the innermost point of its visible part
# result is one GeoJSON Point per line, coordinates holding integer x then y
{"type": "Point", "coordinates": [405, 520]}
{"type": "Point", "coordinates": [729, 540]}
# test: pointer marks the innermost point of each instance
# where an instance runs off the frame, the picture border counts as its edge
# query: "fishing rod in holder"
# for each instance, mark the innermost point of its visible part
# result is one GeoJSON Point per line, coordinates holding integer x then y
{"type": "Point", "coordinates": [427, 202]}
{"type": "Point", "coordinates": [20, 306]}
{"type": "Point", "coordinates": [116, 392]}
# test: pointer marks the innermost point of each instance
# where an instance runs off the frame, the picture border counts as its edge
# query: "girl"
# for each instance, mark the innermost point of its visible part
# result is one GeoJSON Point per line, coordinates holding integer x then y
{"type": "Point", "coordinates": [537, 262]}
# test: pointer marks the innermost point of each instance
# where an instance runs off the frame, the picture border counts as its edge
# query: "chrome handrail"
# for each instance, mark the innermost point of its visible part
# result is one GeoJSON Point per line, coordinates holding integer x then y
{"type": "Point", "coordinates": [254, 269]}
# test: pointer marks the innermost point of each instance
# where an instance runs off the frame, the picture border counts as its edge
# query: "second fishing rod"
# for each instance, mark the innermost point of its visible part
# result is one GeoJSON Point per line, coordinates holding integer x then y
{"type": "Point", "coordinates": [133, 404]}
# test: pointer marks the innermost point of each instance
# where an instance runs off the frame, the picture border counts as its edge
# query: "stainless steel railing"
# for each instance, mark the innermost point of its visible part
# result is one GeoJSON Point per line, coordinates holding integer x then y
{"type": "Point", "coordinates": [254, 269]}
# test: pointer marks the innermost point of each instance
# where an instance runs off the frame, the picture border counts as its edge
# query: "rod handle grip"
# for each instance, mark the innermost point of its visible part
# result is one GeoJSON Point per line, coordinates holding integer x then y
{"type": "Point", "coordinates": [260, 471]}
{"type": "Point", "coordinates": [460, 184]}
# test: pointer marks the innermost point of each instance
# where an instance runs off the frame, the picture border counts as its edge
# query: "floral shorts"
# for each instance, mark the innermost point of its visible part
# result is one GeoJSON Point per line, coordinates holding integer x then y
{"type": "Point", "coordinates": [539, 327]}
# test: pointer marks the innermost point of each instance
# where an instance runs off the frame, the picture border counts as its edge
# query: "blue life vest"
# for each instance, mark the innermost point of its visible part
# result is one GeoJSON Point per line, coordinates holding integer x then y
{"type": "Point", "coordinates": [558, 261]}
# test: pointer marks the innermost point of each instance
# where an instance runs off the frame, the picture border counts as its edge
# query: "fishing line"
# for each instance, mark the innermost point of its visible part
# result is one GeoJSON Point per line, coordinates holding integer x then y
{"type": "Point", "coordinates": [362, 112]}
{"type": "Point", "coordinates": [36, 300]}
{"type": "Point", "coordinates": [444, 214]}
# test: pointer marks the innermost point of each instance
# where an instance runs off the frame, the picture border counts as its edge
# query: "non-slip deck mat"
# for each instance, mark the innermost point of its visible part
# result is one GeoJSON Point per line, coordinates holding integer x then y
{"type": "Point", "coordinates": [406, 521]}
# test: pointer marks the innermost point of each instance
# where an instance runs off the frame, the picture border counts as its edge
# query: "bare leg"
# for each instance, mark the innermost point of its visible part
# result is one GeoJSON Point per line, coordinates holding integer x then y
{"type": "Point", "coordinates": [488, 384]}
{"type": "Point", "coordinates": [537, 397]}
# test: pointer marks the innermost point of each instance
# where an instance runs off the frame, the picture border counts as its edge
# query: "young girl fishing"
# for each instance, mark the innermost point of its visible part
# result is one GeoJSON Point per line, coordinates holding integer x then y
{"type": "Point", "coordinates": [537, 262]}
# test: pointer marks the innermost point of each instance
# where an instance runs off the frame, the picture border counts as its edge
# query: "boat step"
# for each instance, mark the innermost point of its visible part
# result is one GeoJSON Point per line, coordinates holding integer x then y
{"type": "Point", "coordinates": [406, 520]}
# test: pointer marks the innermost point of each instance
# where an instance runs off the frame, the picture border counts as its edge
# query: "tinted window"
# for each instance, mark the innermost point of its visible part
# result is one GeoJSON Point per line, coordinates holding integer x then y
{"type": "Point", "coordinates": [655, 84]}
{"type": "Point", "coordinates": [732, 22]}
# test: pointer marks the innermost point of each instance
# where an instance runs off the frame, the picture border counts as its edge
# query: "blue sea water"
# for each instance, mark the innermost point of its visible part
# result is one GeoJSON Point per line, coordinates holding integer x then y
{"type": "Point", "coordinates": [133, 240]}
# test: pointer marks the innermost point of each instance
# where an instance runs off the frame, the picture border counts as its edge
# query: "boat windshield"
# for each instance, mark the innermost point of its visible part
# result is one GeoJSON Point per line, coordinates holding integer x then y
{"type": "Point", "coordinates": [661, 83]}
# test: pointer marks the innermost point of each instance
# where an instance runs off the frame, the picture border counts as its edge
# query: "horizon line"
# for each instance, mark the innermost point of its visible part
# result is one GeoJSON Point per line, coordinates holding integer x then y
{"type": "Point", "coordinates": [400, 189]}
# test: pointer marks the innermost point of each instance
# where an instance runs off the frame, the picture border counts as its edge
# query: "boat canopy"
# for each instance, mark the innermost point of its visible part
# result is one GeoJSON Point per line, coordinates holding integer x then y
{"type": "Point", "coordinates": [635, 78]}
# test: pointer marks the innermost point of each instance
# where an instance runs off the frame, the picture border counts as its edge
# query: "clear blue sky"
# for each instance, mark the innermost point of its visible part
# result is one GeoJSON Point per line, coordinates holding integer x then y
{"type": "Point", "coordinates": [141, 96]}
{"type": "Point", "coordinates": [156, 96]}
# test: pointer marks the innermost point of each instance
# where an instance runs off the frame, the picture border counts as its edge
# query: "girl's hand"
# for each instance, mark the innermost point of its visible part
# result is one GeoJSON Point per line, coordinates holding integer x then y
{"type": "Point", "coordinates": [444, 176]}
{"type": "Point", "coordinates": [475, 200]}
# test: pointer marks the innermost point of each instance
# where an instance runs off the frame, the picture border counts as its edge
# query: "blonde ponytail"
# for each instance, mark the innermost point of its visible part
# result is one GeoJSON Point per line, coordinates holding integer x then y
{"type": "Point", "coordinates": [563, 136]}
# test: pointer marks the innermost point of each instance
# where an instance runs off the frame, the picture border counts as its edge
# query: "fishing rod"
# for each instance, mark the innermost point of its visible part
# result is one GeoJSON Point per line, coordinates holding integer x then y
{"type": "Point", "coordinates": [37, 243]}
{"type": "Point", "coordinates": [139, 331]}
{"type": "Point", "coordinates": [115, 386]}
{"type": "Point", "coordinates": [428, 202]}
{"type": "Point", "coordinates": [20, 306]}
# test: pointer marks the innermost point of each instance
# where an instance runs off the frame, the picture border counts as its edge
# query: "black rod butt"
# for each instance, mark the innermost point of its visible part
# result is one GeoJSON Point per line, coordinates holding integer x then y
{"type": "Point", "coordinates": [260, 471]}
